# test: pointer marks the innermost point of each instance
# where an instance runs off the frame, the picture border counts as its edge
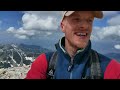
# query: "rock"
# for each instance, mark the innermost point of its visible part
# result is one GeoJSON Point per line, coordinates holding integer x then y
{"type": "Point", "coordinates": [14, 73]}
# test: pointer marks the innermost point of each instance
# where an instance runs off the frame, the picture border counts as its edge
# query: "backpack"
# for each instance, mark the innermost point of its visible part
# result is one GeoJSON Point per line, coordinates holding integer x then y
{"type": "Point", "coordinates": [95, 69]}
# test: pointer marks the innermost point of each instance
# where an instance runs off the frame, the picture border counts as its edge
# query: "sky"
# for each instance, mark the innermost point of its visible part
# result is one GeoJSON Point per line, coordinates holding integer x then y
{"type": "Point", "coordinates": [43, 28]}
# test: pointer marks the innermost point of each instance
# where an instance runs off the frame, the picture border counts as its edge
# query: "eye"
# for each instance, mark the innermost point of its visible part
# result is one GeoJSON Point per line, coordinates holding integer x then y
{"type": "Point", "coordinates": [90, 20]}
{"type": "Point", "coordinates": [76, 19]}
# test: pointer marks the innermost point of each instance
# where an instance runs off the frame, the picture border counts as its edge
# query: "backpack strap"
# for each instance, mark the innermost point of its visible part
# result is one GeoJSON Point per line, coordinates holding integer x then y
{"type": "Point", "coordinates": [94, 64]}
{"type": "Point", "coordinates": [95, 68]}
{"type": "Point", "coordinates": [52, 64]}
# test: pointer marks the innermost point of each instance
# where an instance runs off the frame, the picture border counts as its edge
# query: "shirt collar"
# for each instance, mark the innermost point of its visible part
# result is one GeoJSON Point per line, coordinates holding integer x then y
{"type": "Point", "coordinates": [62, 46]}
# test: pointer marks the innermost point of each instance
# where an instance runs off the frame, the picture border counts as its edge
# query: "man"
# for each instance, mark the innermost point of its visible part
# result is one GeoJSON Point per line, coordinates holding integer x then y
{"type": "Point", "coordinates": [75, 58]}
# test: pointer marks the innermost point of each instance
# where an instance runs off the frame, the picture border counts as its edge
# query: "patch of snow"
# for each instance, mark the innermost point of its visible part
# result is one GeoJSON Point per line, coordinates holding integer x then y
{"type": "Point", "coordinates": [29, 58]}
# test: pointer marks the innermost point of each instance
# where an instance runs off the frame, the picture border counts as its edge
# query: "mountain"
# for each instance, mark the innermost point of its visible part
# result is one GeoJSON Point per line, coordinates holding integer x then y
{"type": "Point", "coordinates": [105, 47]}
{"type": "Point", "coordinates": [33, 50]}
{"type": "Point", "coordinates": [114, 56]}
{"type": "Point", "coordinates": [14, 55]}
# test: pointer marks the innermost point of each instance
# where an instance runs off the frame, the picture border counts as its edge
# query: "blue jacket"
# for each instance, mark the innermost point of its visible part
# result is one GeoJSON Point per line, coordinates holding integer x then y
{"type": "Point", "coordinates": [80, 61]}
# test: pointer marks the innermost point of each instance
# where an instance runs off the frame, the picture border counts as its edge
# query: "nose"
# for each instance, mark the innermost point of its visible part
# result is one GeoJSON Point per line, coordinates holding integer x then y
{"type": "Point", "coordinates": [83, 24]}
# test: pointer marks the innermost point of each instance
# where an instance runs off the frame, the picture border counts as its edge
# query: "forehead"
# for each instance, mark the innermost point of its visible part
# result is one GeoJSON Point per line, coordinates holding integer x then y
{"type": "Point", "coordinates": [82, 14]}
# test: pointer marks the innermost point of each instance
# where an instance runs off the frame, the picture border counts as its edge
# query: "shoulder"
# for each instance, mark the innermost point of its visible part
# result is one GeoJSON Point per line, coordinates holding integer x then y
{"type": "Point", "coordinates": [38, 68]}
{"type": "Point", "coordinates": [40, 60]}
{"type": "Point", "coordinates": [112, 70]}
{"type": "Point", "coordinates": [103, 58]}
{"type": "Point", "coordinates": [43, 58]}
{"type": "Point", "coordinates": [109, 67]}
{"type": "Point", "coordinates": [48, 55]}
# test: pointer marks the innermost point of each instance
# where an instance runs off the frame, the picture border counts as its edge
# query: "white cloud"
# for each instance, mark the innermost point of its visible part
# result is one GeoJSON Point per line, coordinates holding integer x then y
{"type": "Point", "coordinates": [93, 37]}
{"type": "Point", "coordinates": [44, 13]}
{"type": "Point", "coordinates": [48, 33]}
{"type": "Point", "coordinates": [40, 20]}
{"type": "Point", "coordinates": [114, 20]}
{"type": "Point", "coordinates": [27, 34]}
{"type": "Point", "coordinates": [117, 46]}
{"type": "Point", "coordinates": [109, 32]}
{"type": "Point", "coordinates": [21, 33]}
{"type": "Point", "coordinates": [37, 24]}
{"type": "Point", "coordinates": [110, 13]}
{"type": "Point", "coordinates": [11, 29]}
{"type": "Point", "coordinates": [21, 36]}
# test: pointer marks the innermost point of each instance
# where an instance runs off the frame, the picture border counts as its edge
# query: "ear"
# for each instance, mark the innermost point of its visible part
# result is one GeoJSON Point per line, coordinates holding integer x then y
{"type": "Point", "coordinates": [62, 25]}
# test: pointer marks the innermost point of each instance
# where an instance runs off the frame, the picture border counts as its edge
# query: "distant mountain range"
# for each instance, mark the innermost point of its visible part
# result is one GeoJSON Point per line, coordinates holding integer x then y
{"type": "Point", "coordinates": [12, 55]}
{"type": "Point", "coordinates": [32, 50]}
{"type": "Point", "coordinates": [114, 56]}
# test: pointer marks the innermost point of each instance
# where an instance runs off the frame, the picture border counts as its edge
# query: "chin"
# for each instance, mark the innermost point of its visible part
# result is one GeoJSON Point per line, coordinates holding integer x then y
{"type": "Point", "coordinates": [83, 45]}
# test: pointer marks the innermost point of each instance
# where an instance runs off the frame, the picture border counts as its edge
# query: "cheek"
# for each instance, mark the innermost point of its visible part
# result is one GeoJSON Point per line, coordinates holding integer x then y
{"type": "Point", "coordinates": [69, 31]}
{"type": "Point", "coordinates": [91, 29]}
{"type": "Point", "coordinates": [66, 29]}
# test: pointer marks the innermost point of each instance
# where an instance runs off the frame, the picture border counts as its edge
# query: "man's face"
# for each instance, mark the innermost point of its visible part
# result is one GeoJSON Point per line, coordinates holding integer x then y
{"type": "Point", "coordinates": [77, 28]}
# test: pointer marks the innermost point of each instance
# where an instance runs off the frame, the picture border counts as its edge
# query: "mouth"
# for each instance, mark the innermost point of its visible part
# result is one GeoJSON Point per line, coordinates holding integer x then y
{"type": "Point", "coordinates": [82, 35]}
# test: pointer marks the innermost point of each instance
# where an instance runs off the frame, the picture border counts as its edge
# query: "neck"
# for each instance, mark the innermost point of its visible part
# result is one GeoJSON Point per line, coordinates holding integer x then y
{"type": "Point", "coordinates": [71, 50]}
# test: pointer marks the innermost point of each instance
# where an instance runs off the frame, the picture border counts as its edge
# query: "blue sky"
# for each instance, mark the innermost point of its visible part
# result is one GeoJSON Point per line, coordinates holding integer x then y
{"type": "Point", "coordinates": [42, 28]}
{"type": "Point", "coordinates": [10, 18]}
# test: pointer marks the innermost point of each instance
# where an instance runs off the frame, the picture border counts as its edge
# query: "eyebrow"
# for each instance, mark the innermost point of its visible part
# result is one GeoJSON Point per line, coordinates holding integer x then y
{"type": "Point", "coordinates": [91, 17]}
